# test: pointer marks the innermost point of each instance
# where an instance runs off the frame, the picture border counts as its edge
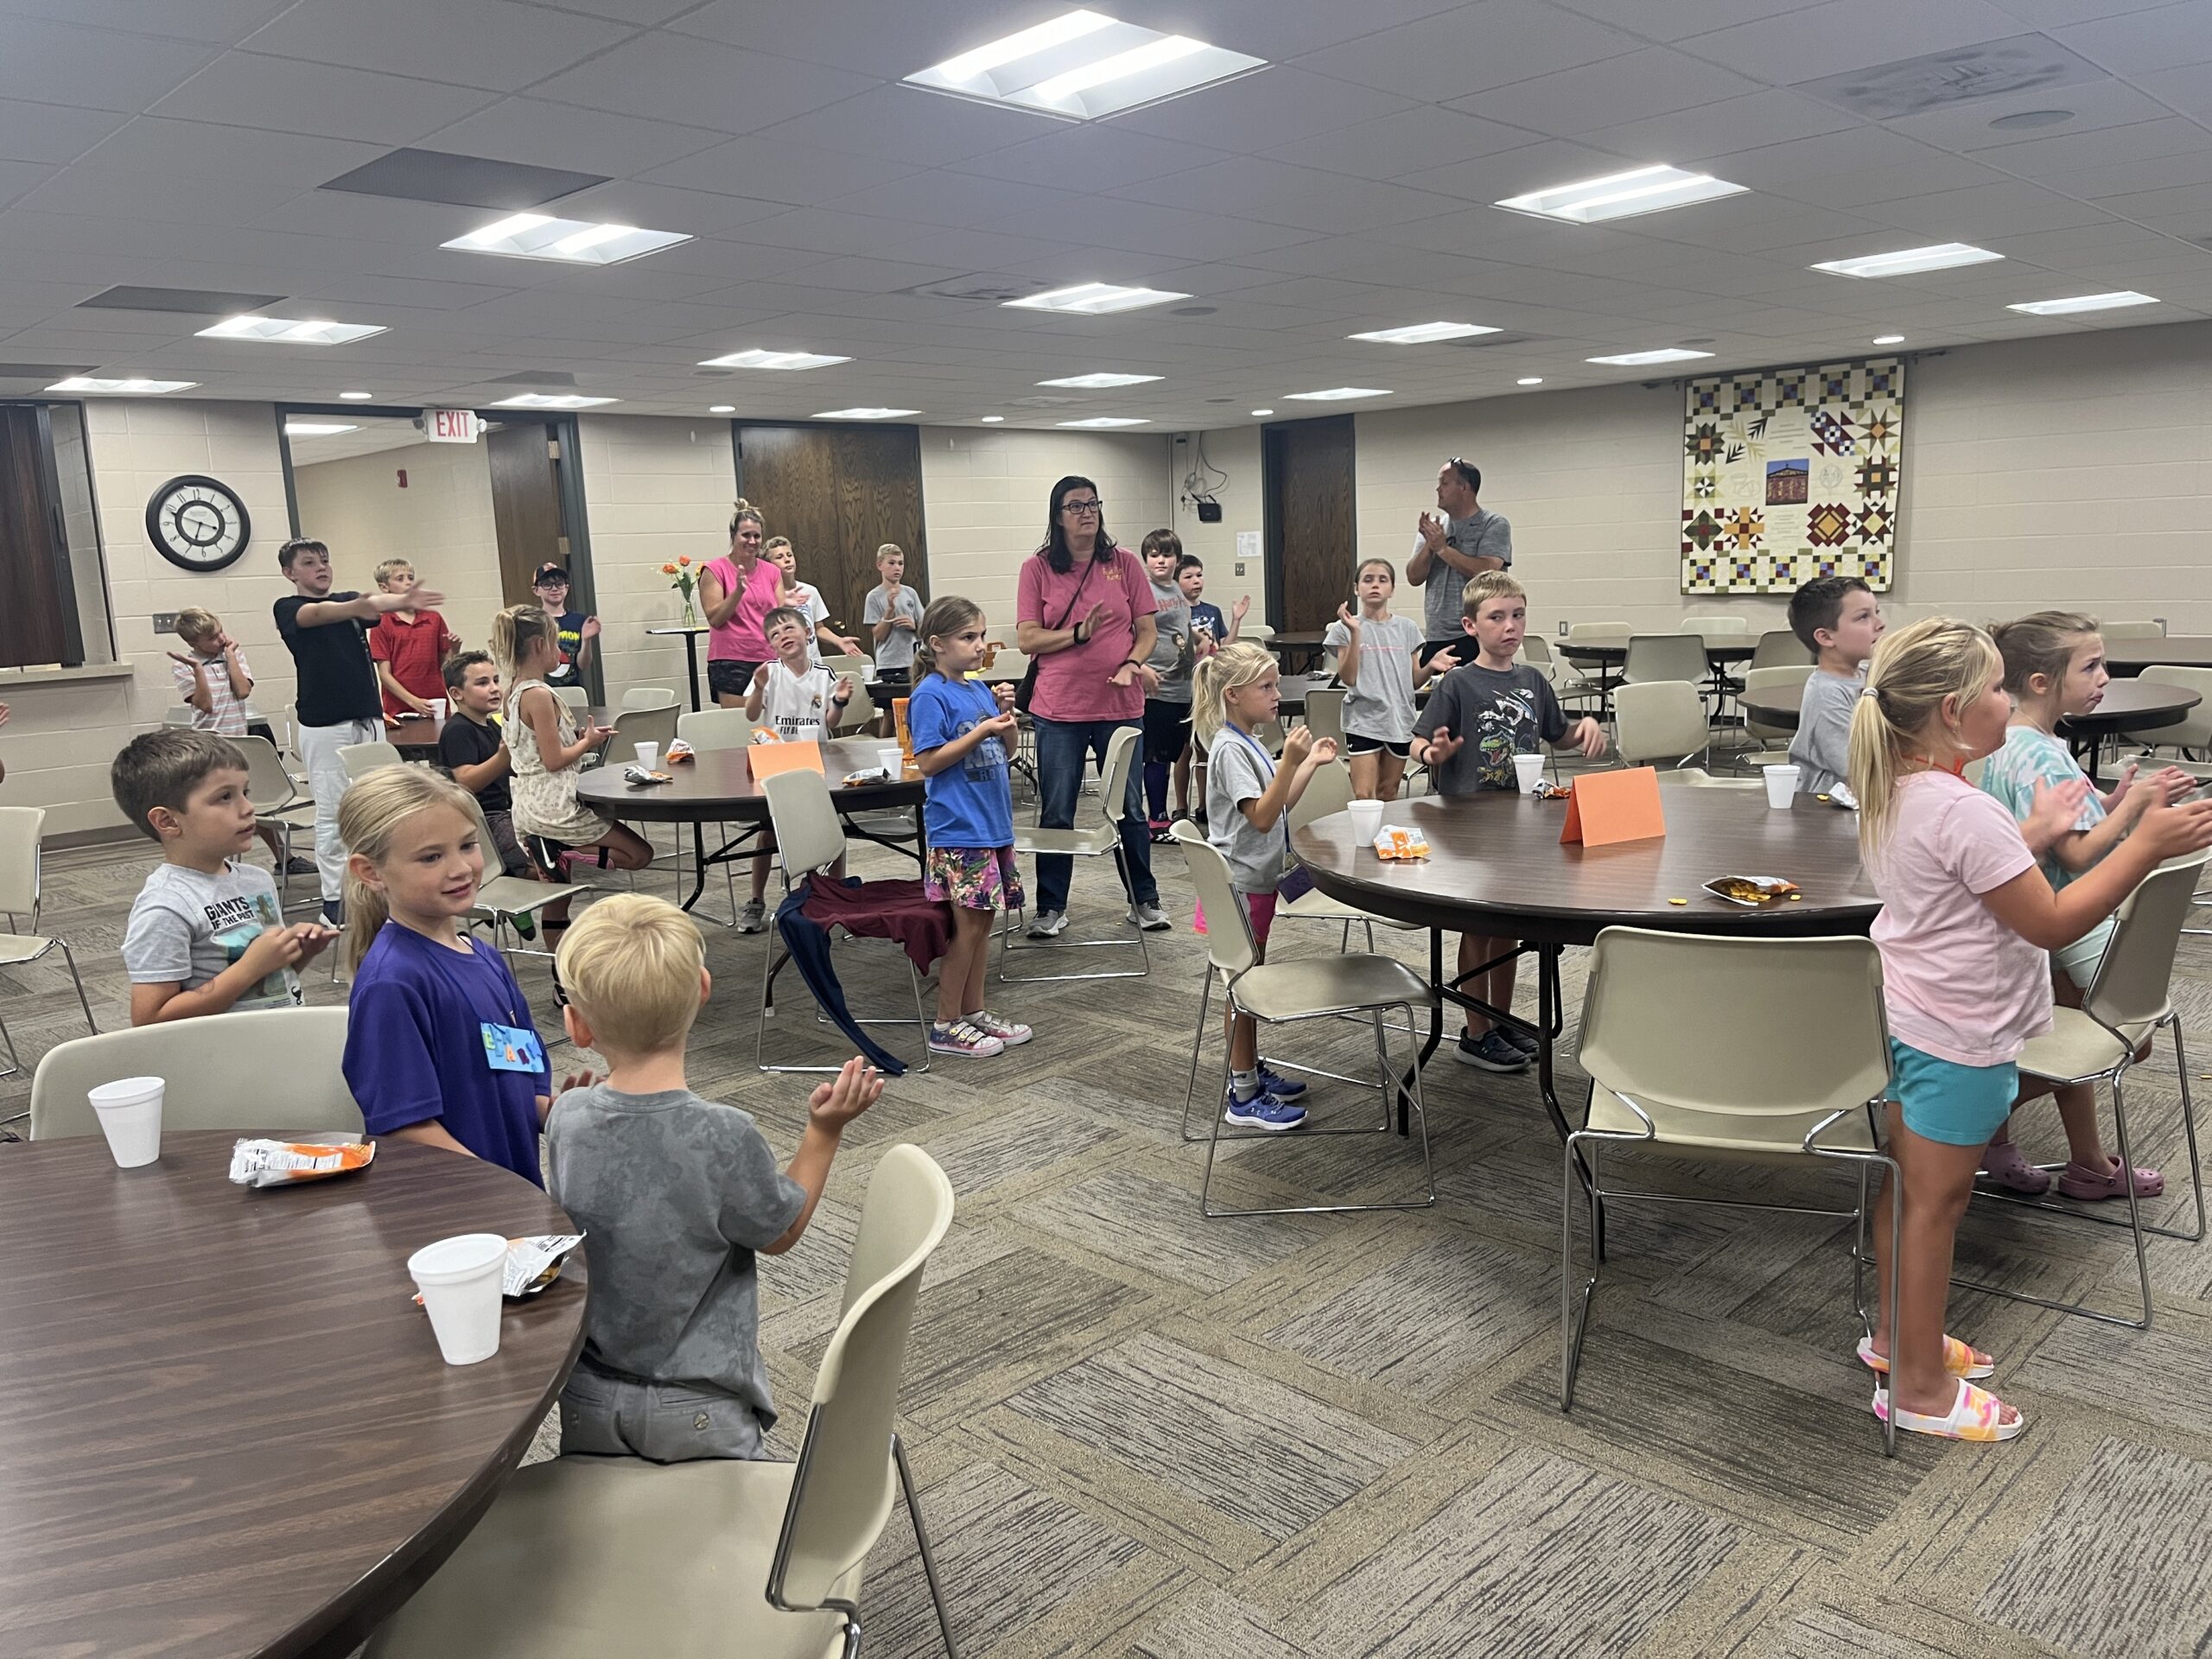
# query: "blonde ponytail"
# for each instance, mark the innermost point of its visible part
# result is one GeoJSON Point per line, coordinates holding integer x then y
{"type": "Point", "coordinates": [1235, 665]}
{"type": "Point", "coordinates": [374, 807]}
{"type": "Point", "coordinates": [1915, 668]}
{"type": "Point", "coordinates": [514, 631]}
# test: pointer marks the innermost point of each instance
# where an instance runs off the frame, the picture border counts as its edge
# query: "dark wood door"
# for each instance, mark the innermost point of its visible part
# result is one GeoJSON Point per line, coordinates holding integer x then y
{"type": "Point", "coordinates": [38, 617]}
{"type": "Point", "coordinates": [525, 505]}
{"type": "Point", "coordinates": [839, 493]}
{"type": "Point", "coordinates": [1312, 549]}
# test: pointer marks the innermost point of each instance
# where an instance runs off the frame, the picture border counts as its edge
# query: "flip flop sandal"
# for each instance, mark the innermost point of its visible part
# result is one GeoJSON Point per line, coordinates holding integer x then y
{"type": "Point", "coordinates": [1958, 1359]}
{"type": "Point", "coordinates": [1973, 1417]}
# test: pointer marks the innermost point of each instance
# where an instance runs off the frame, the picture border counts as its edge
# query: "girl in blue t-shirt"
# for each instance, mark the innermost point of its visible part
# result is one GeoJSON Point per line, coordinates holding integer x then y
{"type": "Point", "coordinates": [962, 732]}
{"type": "Point", "coordinates": [439, 1044]}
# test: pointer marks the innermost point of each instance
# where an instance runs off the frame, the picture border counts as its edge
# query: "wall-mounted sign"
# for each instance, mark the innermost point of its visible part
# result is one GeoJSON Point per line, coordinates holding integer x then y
{"type": "Point", "coordinates": [451, 425]}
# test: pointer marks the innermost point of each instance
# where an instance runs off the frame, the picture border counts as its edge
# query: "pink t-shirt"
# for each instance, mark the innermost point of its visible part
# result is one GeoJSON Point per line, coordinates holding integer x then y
{"type": "Point", "coordinates": [1072, 684]}
{"type": "Point", "coordinates": [739, 639]}
{"type": "Point", "coordinates": [1957, 983]}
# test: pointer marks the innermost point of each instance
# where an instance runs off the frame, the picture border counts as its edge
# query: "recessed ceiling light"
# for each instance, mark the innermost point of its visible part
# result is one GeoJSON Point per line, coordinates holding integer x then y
{"type": "Point", "coordinates": [1100, 380]}
{"type": "Point", "coordinates": [1422, 333]}
{"type": "Point", "coordinates": [289, 331]}
{"type": "Point", "coordinates": [756, 358]}
{"type": "Point", "coordinates": [125, 385]}
{"type": "Point", "coordinates": [1637, 360]}
{"type": "Point", "coordinates": [1094, 299]}
{"type": "Point", "coordinates": [317, 429]}
{"type": "Point", "coordinates": [357, 397]}
{"type": "Point", "coordinates": [2032, 118]}
{"type": "Point", "coordinates": [722, 409]}
{"type": "Point", "coordinates": [990, 420]}
{"type": "Point", "coordinates": [2083, 302]}
{"type": "Point", "coordinates": [1888, 340]}
{"type": "Point", "coordinates": [1530, 380]}
{"type": "Point", "coordinates": [1621, 196]}
{"type": "Point", "coordinates": [1108, 420]}
{"type": "Point", "coordinates": [1336, 394]}
{"type": "Point", "coordinates": [550, 400]}
{"type": "Point", "coordinates": [1906, 261]}
{"type": "Point", "coordinates": [1083, 65]}
{"type": "Point", "coordinates": [864, 413]}
{"type": "Point", "coordinates": [569, 241]}
{"type": "Point", "coordinates": [1262, 411]}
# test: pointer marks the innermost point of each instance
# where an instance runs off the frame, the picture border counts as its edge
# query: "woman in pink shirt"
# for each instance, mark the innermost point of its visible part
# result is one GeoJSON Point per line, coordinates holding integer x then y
{"type": "Point", "coordinates": [1084, 610]}
{"type": "Point", "coordinates": [736, 593]}
{"type": "Point", "coordinates": [1967, 918]}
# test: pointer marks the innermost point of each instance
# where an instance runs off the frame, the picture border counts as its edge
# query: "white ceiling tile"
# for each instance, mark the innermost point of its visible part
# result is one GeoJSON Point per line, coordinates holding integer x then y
{"type": "Point", "coordinates": [19, 179]}
{"type": "Point", "coordinates": [1677, 19]}
{"type": "Point", "coordinates": [1253, 114]}
{"type": "Point", "coordinates": [1252, 188]}
{"type": "Point", "coordinates": [894, 41]}
{"type": "Point", "coordinates": [869, 276]}
{"type": "Point", "coordinates": [1094, 156]}
{"type": "Point", "coordinates": [1776, 168]}
{"type": "Point", "coordinates": [51, 132]}
{"type": "Point", "coordinates": [704, 82]}
{"type": "Point", "coordinates": [1516, 172]}
{"type": "Point", "coordinates": [1830, 40]}
{"type": "Point", "coordinates": [123, 192]}
{"type": "Point", "coordinates": [1634, 86]}
{"type": "Point", "coordinates": [827, 230]}
{"type": "Point", "coordinates": [945, 197]}
{"type": "Point", "coordinates": [1693, 136]}
{"type": "Point", "coordinates": [2127, 178]}
{"type": "Point", "coordinates": [1499, 43]}
{"type": "Point", "coordinates": [2188, 90]}
{"type": "Point", "coordinates": [489, 43]}
{"type": "Point", "coordinates": [1106, 222]}
{"type": "Point", "coordinates": [905, 126]}
{"type": "Point", "coordinates": [2010, 207]}
{"type": "Point", "coordinates": [974, 250]}
{"type": "Point", "coordinates": [184, 151]}
{"type": "Point", "coordinates": [219, 22]}
{"type": "Point", "coordinates": [2068, 152]}
{"type": "Point", "coordinates": [1428, 136]}
{"type": "Point", "coordinates": [283, 95]}
{"type": "Point", "coordinates": [1971, 127]}
{"type": "Point", "coordinates": [663, 207]}
{"type": "Point", "coordinates": [769, 171]}
{"type": "Point", "coordinates": [1277, 29]}
{"type": "Point", "coordinates": [2053, 14]}
{"type": "Point", "coordinates": [2136, 42]}
{"type": "Point", "coordinates": [94, 68]}
{"type": "Point", "coordinates": [1930, 171]}
{"type": "Point", "coordinates": [546, 134]}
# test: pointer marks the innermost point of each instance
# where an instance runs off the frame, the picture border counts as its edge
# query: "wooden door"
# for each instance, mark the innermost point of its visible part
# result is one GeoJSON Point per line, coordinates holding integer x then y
{"type": "Point", "coordinates": [839, 493]}
{"type": "Point", "coordinates": [1312, 549]}
{"type": "Point", "coordinates": [525, 506]}
{"type": "Point", "coordinates": [38, 616]}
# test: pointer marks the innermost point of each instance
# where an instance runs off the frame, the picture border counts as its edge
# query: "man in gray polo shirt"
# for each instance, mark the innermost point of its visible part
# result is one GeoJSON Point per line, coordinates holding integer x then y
{"type": "Point", "coordinates": [1455, 543]}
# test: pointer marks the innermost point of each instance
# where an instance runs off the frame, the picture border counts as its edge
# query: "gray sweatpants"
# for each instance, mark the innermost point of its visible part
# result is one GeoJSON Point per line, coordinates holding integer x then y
{"type": "Point", "coordinates": [663, 1422]}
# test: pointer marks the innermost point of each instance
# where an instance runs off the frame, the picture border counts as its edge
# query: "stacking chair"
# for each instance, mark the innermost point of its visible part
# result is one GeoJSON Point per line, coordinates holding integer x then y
{"type": "Point", "coordinates": [276, 799]}
{"type": "Point", "coordinates": [19, 897]}
{"type": "Point", "coordinates": [586, 1556]}
{"type": "Point", "coordinates": [2144, 629]}
{"type": "Point", "coordinates": [179, 715]}
{"type": "Point", "coordinates": [1660, 722]}
{"type": "Point", "coordinates": [263, 1070]}
{"type": "Point", "coordinates": [2192, 733]}
{"type": "Point", "coordinates": [1715, 627]}
{"type": "Point", "coordinates": [1329, 791]}
{"type": "Point", "coordinates": [502, 898]}
{"type": "Point", "coordinates": [1664, 657]}
{"type": "Point", "coordinates": [857, 714]}
{"type": "Point", "coordinates": [362, 759]}
{"type": "Point", "coordinates": [2121, 1014]}
{"type": "Point", "coordinates": [1599, 633]}
{"type": "Point", "coordinates": [1775, 739]}
{"type": "Point", "coordinates": [1258, 633]}
{"type": "Point", "coordinates": [1101, 838]}
{"type": "Point", "coordinates": [1285, 993]}
{"type": "Point", "coordinates": [650, 696]}
{"type": "Point", "coordinates": [1569, 687]}
{"type": "Point", "coordinates": [1324, 712]}
{"type": "Point", "coordinates": [1663, 1024]}
{"type": "Point", "coordinates": [707, 729]}
{"type": "Point", "coordinates": [636, 726]}
{"type": "Point", "coordinates": [576, 697]}
{"type": "Point", "coordinates": [859, 667]}
{"type": "Point", "coordinates": [1779, 648]}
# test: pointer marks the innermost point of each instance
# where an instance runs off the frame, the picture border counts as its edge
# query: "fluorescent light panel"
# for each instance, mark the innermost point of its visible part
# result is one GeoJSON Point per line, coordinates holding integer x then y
{"type": "Point", "coordinates": [1083, 65]}
{"type": "Point", "coordinates": [1110, 420]}
{"type": "Point", "coordinates": [357, 397]}
{"type": "Point", "coordinates": [291, 331]}
{"type": "Point", "coordinates": [1337, 394]}
{"type": "Point", "coordinates": [1637, 360]}
{"type": "Point", "coordinates": [757, 359]}
{"type": "Point", "coordinates": [550, 400]}
{"type": "Point", "coordinates": [318, 428]}
{"type": "Point", "coordinates": [120, 385]}
{"type": "Point", "coordinates": [1905, 261]}
{"type": "Point", "coordinates": [1100, 381]}
{"type": "Point", "coordinates": [1888, 340]}
{"type": "Point", "coordinates": [722, 409]}
{"type": "Point", "coordinates": [990, 420]}
{"type": "Point", "coordinates": [1622, 195]}
{"type": "Point", "coordinates": [1423, 333]}
{"type": "Point", "coordinates": [1094, 299]}
{"type": "Point", "coordinates": [2083, 302]}
{"type": "Point", "coordinates": [864, 413]}
{"type": "Point", "coordinates": [566, 241]}
{"type": "Point", "coordinates": [1530, 380]}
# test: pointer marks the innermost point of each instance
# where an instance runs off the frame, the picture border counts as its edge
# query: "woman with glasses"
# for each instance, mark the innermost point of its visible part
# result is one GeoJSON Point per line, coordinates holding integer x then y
{"type": "Point", "coordinates": [1084, 614]}
{"type": "Point", "coordinates": [1452, 545]}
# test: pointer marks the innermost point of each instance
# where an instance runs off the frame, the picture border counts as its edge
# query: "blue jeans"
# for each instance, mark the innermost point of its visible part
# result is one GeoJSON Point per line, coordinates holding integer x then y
{"type": "Point", "coordinates": [1062, 745]}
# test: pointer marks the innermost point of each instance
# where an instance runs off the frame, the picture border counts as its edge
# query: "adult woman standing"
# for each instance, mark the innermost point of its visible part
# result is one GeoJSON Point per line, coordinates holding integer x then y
{"type": "Point", "coordinates": [1083, 611]}
{"type": "Point", "coordinates": [736, 592]}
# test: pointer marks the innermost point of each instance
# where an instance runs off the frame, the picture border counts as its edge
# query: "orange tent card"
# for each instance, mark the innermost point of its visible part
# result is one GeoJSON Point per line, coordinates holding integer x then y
{"type": "Point", "coordinates": [769, 759]}
{"type": "Point", "coordinates": [1608, 807]}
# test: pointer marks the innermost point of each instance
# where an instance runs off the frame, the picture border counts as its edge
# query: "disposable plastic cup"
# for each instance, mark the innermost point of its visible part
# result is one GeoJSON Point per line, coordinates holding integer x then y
{"type": "Point", "coordinates": [1781, 786]}
{"type": "Point", "coordinates": [891, 759]}
{"type": "Point", "coordinates": [1366, 820]}
{"type": "Point", "coordinates": [649, 755]}
{"type": "Point", "coordinates": [459, 1279]}
{"type": "Point", "coordinates": [437, 708]}
{"type": "Point", "coordinates": [1528, 772]}
{"type": "Point", "coordinates": [129, 1111]}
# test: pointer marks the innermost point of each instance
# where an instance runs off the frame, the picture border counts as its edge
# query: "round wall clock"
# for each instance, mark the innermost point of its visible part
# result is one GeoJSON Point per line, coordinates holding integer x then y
{"type": "Point", "coordinates": [198, 523]}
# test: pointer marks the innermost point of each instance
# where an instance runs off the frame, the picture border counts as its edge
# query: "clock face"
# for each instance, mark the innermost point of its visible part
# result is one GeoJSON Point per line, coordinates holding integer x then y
{"type": "Point", "coordinates": [198, 523]}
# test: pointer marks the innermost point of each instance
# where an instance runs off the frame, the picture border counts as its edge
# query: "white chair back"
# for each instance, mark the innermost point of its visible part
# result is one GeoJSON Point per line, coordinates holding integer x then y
{"type": "Point", "coordinates": [576, 697]}
{"type": "Point", "coordinates": [649, 696]}
{"type": "Point", "coordinates": [1779, 648]}
{"type": "Point", "coordinates": [636, 726]}
{"type": "Point", "coordinates": [1769, 684]}
{"type": "Point", "coordinates": [1715, 625]}
{"type": "Point", "coordinates": [20, 827]}
{"type": "Point", "coordinates": [267, 785]}
{"type": "Point", "coordinates": [1665, 656]}
{"type": "Point", "coordinates": [1659, 722]}
{"type": "Point", "coordinates": [715, 728]}
{"type": "Point", "coordinates": [266, 1071]}
{"type": "Point", "coordinates": [1229, 929]}
{"type": "Point", "coordinates": [1324, 711]}
{"type": "Point", "coordinates": [180, 715]}
{"type": "Point", "coordinates": [1598, 633]}
{"type": "Point", "coordinates": [1329, 789]}
{"type": "Point", "coordinates": [362, 759]}
{"type": "Point", "coordinates": [2146, 630]}
{"type": "Point", "coordinates": [808, 834]}
{"type": "Point", "coordinates": [2194, 729]}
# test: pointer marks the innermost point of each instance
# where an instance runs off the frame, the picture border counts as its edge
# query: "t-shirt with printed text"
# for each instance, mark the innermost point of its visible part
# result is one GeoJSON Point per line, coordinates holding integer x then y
{"type": "Point", "coordinates": [970, 805]}
{"type": "Point", "coordinates": [187, 926]}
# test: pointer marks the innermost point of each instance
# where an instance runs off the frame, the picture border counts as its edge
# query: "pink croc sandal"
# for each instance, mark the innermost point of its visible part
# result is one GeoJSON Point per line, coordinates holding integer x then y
{"type": "Point", "coordinates": [1959, 1359]}
{"type": "Point", "coordinates": [1974, 1416]}
{"type": "Point", "coordinates": [2080, 1181]}
{"type": "Point", "coordinates": [2004, 1164]}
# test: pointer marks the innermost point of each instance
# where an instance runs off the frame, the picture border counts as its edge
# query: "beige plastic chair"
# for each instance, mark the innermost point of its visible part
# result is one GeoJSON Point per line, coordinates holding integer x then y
{"type": "Point", "coordinates": [180, 715]}
{"type": "Point", "coordinates": [502, 897]}
{"type": "Point", "coordinates": [1286, 993]}
{"type": "Point", "coordinates": [856, 715]}
{"type": "Point", "coordinates": [276, 799]}
{"type": "Point", "coordinates": [650, 696]}
{"type": "Point", "coordinates": [1258, 633]}
{"type": "Point", "coordinates": [1663, 1027]}
{"type": "Point", "coordinates": [859, 667]}
{"type": "Point", "coordinates": [362, 759]}
{"type": "Point", "coordinates": [1324, 711]}
{"type": "Point", "coordinates": [584, 1557]}
{"type": "Point", "coordinates": [2194, 730]}
{"type": "Point", "coordinates": [2143, 630]}
{"type": "Point", "coordinates": [715, 728]}
{"type": "Point", "coordinates": [1773, 741]}
{"type": "Point", "coordinates": [636, 726]}
{"type": "Point", "coordinates": [264, 1071]}
{"type": "Point", "coordinates": [810, 837]}
{"type": "Point", "coordinates": [1328, 791]}
{"type": "Point", "coordinates": [576, 697]}
{"type": "Point", "coordinates": [1599, 633]}
{"type": "Point", "coordinates": [1660, 722]}
{"type": "Point", "coordinates": [1716, 626]}
{"type": "Point", "coordinates": [1009, 664]}
{"type": "Point", "coordinates": [1779, 648]}
{"type": "Point", "coordinates": [1101, 838]}
{"type": "Point", "coordinates": [2123, 1010]}
{"type": "Point", "coordinates": [20, 827]}
{"type": "Point", "coordinates": [1567, 686]}
{"type": "Point", "coordinates": [1664, 657]}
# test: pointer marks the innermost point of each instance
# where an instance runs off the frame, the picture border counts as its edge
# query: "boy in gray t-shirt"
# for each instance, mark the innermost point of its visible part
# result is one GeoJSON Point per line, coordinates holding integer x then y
{"type": "Point", "coordinates": [676, 1195]}
{"type": "Point", "coordinates": [893, 611]}
{"type": "Point", "coordinates": [1174, 653]}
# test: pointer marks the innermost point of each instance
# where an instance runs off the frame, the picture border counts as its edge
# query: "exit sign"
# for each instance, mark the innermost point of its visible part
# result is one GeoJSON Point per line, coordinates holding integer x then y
{"type": "Point", "coordinates": [451, 425]}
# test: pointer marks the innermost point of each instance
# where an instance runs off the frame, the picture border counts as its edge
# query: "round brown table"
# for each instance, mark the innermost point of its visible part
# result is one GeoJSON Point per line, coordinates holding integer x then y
{"type": "Point", "coordinates": [2131, 656]}
{"type": "Point", "coordinates": [717, 786]}
{"type": "Point", "coordinates": [2127, 706]}
{"type": "Point", "coordinates": [1611, 657]}
{"type": "Point", "coordinates": [225, 1428]}
{"type": "Point", "coordinates": [1496, 868]}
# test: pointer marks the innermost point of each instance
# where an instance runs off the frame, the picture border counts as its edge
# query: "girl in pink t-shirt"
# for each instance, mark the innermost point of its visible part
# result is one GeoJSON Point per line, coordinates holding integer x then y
{"type": "Point", "coordinates": [1967, 918]}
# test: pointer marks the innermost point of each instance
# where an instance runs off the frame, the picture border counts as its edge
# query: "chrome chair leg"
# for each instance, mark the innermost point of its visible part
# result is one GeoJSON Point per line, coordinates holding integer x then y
{"type": "Point", "coordinates": [1198, 1046]}
{"type": "Point", "coordinates": [922, 1545]}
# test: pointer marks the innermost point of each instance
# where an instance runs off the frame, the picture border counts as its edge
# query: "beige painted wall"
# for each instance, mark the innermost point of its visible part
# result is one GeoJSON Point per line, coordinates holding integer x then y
{"type": "Point", "coordinates": [1236, 453]}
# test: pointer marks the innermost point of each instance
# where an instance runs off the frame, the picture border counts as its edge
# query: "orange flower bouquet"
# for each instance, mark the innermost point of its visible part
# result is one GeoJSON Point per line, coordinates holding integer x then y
{"type": "Point", "coordinates": [686, 579]}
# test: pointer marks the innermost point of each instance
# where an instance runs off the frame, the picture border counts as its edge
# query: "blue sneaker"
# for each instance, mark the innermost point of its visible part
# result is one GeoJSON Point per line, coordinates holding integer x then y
{"type": "Point", "coordinates": [1281, 1087]}
{"type": "Point", "coordinates": [1262, 1111]}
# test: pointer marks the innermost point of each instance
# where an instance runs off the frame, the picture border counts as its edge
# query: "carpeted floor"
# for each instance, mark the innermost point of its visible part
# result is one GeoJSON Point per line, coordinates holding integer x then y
{"type": "Point", "coordinates": [1143, 1434]}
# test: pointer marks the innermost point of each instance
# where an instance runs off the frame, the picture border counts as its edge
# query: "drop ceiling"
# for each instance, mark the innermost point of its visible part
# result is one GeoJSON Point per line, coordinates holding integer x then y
{"type": "Point", "coordinates": [1345, 188]}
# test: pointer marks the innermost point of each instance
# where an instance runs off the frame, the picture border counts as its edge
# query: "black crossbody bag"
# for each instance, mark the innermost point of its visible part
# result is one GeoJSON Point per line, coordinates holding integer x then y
{"type": "Point", "coordinates": [1027, 688]}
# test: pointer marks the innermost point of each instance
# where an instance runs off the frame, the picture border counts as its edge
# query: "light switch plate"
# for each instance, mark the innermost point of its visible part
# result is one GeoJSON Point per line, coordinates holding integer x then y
{"type": "Point", "coordinates": [164, 621]}
{"type": "Point", "coordinates": [1240, 568]}
{"type": "Point", "coordinates": [1562, 630]}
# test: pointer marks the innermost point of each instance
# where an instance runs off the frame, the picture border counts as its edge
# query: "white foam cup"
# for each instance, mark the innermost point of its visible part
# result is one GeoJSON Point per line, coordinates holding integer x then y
{"type": "Point", "coordinates": [437, 708]}
{"type": "Point", "coordinates": [459, 1279]}
{"type": "Point", "coordinates": [129, 1111]}
{"type": "Point", "coordinates": [1528, 772]}
{"type": "Point", "coordinates": [1781, 784]}
{"type": "Point", "coordinates": [891, 759]}
{"type": "Point", "coordinates": [1366, 820]}
{"type": "Point", "coordinates": [649, 755]}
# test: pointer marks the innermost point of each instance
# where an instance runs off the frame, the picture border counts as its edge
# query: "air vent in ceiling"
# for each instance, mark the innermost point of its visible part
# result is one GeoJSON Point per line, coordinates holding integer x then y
{"type": "Point", "coordinates": [186, 302]}
{"type": "Point", "coordinates": [1483, 342]}
{"type": "Point", "coordinates": [534, 377]}
{"type": "Point", "coordinates": [462, 181]}
{"type": "Point", "coordinates": [1888, 91]}
{"type": "Point", "coordinates": [1196, 311]}
{"type": "Point", "coordinates": [983, 289]}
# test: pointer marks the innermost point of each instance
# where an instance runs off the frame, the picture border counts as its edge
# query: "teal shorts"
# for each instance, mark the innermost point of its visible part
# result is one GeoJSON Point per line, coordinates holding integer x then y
{"type": "Point", "coordinates": [1959, 1105]}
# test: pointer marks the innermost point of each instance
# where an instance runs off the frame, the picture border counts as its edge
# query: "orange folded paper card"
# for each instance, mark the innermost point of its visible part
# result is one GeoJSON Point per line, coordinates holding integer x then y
{"type": "Point", "coordinates": [1614, 806]}
{"type": "Point", "coordinates": [769, 759]}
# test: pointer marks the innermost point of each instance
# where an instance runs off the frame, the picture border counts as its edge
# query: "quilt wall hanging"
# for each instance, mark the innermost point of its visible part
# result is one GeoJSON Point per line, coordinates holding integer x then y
{"type": "Point", "coordinates": [1792, 473]}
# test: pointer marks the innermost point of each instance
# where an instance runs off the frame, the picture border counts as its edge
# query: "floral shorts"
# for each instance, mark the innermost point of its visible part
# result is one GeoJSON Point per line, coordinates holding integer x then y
{"type": "Point", "coordinates": [974, 877]}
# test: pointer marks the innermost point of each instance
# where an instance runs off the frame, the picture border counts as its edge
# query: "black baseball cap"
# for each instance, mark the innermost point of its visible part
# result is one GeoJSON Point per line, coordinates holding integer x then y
{"type": "Point", "coordinates": [548, 573]}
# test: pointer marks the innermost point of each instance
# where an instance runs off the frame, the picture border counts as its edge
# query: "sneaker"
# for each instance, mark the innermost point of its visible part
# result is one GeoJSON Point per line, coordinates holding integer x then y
{"type": "Point", "coordinates": [1262, 1111]}
{"type": "Point", "coordinates": [1162, 834]}
{"type": "Point", "coordinates": [1048, 925]}
{"type": "Point", "coordinates": [1492, 1053]}
{"type": "Point", "coordinates": [1281, 1087]}
{"type": "Point", "coordinates": [1011, 1033]}
{"type": "Point", "coordinates": [753, 918]}
{"type": "Point", "coordinates": [525, 927]}
{"type": "Point", "coordinates": [1524, 1040]}
{"type": "Point", "coordinates": [334, 915]}
{"type": "Point", "coordinates": [1148, 918]}
{"type": "Point", "coordinates": [299, 865]}
{"type": "Point", "coordinates": [961, 1037]}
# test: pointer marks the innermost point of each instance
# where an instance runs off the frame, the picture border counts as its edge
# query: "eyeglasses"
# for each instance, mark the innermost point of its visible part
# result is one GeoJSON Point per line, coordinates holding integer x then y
{"type": "Point", "coordinates": [1093, 504]}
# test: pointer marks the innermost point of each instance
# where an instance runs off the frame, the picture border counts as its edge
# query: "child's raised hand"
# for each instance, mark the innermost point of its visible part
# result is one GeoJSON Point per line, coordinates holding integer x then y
{"type": "Point", "coordinates": [2057, 809]}
{"type": "Point", "coordinates": [2170, 784]}
{"type": "Point", "coordinates": [760, 677]}
{"type": "Point", "coordinates": [1004, 692]}
{"type": "Point", "coordinates": [419, 598]}
{"type": "Point", "coordinates": [2174, 830]}
{"type": "Point", "coordinates": [180, 656]}
{"type": "Point", "coordinates": [1346, 615]}
{"type": "Point", "coordinates": [1324, 751]}
{"type": "Point", "coordinates": [1297, 744]}
{"type": "Point", "coordinates": [1442, 746]}
{"type": "Point", "coordinates": [856, 1087]}
{"type": "Point", "coordinates": [1243, 604]}
{"type": "Point", "coordinates": [591, 627]}
{"type": "Point", "coordinates": [1589, 735]}
{"type": "Point", "coordinates": [1443, 662]}
{"type": "Point", "coordinates": [846, 686]}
